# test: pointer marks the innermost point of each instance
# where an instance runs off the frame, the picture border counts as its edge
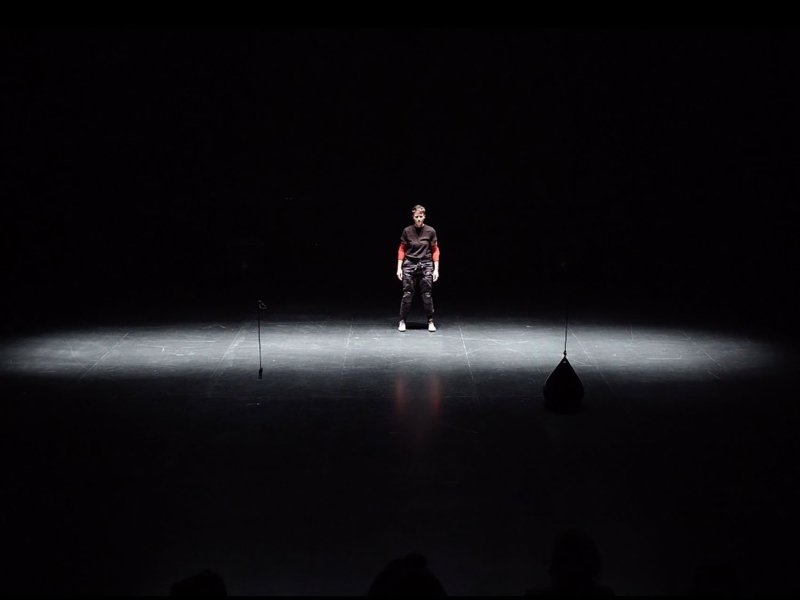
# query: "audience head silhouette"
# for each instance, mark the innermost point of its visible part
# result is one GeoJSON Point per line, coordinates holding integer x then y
{"type": "Point", "coordinates": [576, 565]}
{"type": "Point", "coordinates": [205, 583]}
{"type": "Point", "coordinates": [716, 580]}
{"type": "Point", "coordinates": [407, 576]}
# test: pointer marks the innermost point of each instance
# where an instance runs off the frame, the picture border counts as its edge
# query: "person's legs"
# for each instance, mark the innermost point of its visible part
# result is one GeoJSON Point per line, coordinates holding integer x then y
{"type": "Point", "coordinates": [408, 289]}
{"type": "Point", "coordinates": [426, 289]}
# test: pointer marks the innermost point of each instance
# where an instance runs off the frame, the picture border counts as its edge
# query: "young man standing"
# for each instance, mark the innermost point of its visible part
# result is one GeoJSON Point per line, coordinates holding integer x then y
{"type": "Point", "coordinates": [418, 265]}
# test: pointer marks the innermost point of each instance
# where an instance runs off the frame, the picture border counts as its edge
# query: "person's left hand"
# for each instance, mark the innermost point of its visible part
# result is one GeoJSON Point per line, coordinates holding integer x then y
{"type": "Point", "coordinates": [436, 275]}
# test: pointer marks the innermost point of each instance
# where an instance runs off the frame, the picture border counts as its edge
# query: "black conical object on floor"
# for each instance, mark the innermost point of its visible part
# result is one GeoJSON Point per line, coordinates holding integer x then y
{"type": "Point", "coordinates": [563, 390]}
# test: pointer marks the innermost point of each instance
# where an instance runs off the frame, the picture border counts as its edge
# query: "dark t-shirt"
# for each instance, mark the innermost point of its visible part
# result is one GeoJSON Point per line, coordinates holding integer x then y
{"type": "Point", "coordinates": [418, 242]}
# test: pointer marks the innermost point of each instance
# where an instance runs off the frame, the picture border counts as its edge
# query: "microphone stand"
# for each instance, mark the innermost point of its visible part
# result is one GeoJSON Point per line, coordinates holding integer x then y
{"type": "Point", "coordinates": [261, 306]}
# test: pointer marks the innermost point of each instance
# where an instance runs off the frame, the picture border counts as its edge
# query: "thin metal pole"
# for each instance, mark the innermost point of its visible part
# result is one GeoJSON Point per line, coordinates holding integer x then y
{"type": "Point", "coordinates": [567, 299]}
{"type": "Point", "coordinates": [258, 313]}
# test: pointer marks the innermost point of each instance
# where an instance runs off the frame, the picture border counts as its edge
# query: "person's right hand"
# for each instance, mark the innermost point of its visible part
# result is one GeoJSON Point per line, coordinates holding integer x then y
{"type": "Point", "coordinates": [400, 274]}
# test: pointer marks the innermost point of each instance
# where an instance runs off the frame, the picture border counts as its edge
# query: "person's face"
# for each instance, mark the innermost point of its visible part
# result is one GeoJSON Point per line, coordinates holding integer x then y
{"type": "Point", "coordinates": [419, 218]}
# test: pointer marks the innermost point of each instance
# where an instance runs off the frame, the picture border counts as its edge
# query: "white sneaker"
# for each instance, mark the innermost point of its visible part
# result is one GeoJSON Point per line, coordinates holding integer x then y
{"type": "Point", "coordinates": [401, 326]}
{"type": "Point", "coordinates": [431, 326]}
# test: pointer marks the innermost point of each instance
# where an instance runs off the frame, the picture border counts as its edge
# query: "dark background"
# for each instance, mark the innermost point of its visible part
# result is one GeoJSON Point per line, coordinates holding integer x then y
{"type": "Point", "coordinates": [162, 170]}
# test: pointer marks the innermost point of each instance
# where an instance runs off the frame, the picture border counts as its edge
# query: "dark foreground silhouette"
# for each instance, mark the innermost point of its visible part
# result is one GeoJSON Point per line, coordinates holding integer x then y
{"type": "Point", "coordinates": [407, 576]}
{"type": "Point", "coordinates": [575, 567]}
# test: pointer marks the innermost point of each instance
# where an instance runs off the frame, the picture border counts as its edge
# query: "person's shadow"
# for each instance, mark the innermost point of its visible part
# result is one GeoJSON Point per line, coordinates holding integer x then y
{"type": "Point", "coordinates": [407, 576]}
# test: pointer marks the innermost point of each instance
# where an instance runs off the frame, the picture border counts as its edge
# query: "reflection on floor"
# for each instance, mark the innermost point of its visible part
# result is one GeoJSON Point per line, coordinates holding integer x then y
{"type": "Point", "coordinates": [138, 456]}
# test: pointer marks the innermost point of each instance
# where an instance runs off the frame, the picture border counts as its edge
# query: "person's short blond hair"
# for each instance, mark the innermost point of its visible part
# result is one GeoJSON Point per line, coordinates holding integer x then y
{"type": "Point", "coordinates": [417, 207]}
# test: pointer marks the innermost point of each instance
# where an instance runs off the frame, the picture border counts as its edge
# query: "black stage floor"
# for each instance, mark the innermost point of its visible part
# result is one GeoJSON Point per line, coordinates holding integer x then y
{"type": "Point", "coordinates": [139, 454]}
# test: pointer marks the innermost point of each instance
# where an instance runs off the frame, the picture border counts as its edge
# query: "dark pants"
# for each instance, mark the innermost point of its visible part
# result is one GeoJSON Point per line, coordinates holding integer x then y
{"type": "Point", "coordinates": [417, 274]}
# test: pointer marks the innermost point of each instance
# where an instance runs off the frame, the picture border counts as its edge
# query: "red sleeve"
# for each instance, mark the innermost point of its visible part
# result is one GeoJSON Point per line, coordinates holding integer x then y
{"type": "Point", "coordinates": [401, 251]}
{"type": "Point", "coordinates": [435, 252]}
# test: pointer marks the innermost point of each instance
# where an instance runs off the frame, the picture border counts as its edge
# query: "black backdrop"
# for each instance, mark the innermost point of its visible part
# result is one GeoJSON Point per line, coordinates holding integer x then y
{"type": "Point", "coordinates": [160, 169]}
